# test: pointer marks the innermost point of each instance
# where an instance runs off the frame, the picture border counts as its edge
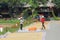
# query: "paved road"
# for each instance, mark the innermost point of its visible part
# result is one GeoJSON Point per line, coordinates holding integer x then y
{"type": "Point", "coordinates": [53, 33]}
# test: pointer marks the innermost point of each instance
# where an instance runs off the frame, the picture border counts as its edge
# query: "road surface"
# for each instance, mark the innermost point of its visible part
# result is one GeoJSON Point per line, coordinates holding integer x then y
{"type": "Point", "coordinates": [53, 33]}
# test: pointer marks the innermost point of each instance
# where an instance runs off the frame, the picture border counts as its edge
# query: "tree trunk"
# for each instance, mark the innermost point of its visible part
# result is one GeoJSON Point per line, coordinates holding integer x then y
{"type": "Point", "coordinates": [53, 13]}
{"type": "Point", "coordinates": [32, 12]}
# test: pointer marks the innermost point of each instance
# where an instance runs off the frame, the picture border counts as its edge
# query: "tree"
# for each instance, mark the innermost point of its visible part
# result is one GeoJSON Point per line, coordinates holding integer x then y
{"type": "Point", "coordinates": [57, 2]}
{"type": "Point", "coordinates": [43, 1]}
{"type": "Point", "coordinates": [34, 5]}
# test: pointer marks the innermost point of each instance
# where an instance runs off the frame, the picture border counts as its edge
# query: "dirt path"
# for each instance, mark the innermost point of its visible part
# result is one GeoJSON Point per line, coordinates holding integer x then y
{"type": "Point", "coordinates": [24, 36]}
{"type": "Point", "coordinates": [38, 25]}
{"type": "Point", "coordinates": [7, 25]}
{"type": "Point", "coordinates": [27, 35]}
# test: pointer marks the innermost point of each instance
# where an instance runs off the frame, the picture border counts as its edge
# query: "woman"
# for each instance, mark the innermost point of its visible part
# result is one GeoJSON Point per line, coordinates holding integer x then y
{"type": "Point", "coordinates": [42, 19]}
{"type": "Point", "coordinates": [21, 22]}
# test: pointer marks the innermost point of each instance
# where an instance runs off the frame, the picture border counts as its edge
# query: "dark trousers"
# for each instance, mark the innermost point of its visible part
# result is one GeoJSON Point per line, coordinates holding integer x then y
{"type": "Point", "coordinates": [43, 26]}
{"type": "Point", "coordinates": [21, 26]}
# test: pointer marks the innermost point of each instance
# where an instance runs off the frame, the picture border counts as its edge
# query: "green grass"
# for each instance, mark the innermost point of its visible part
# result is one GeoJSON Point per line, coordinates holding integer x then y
{"type": "Point", "coordinates": [9, 21]}
{"type": "Point", "coordinates": [57, 18]}
{"type": "Point", "coordinates": [13, 29]}
{"type": "Point", "coordinates": [27, 22]}
{"type": "Point", "coordinates": [4, 31]}
{"type": "Point", "coordinates": [9, 29]}
{"type": "Point", "coordinates": [12, 21]}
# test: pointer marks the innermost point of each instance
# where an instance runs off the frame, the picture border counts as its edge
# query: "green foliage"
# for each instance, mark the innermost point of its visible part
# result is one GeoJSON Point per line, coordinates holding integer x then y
{"type": "Point", "coordinates": [35, 13]}
{"type": "Point", "coordinates": [13, 29]}
{"type": "Point", "coordinates": [4, 31]}
{"type": "Point", "coordinates": [57, 18]}
{"type": "Point", "coordinates": [43, 1]}
{"type": "Point", "coordinates": [57, 2]}
{"type": "Point", "coordinates": [33, 3]}
{"type": "Point", "coordinates": [9, 21]}
{"type": "Point", "coordinates": [3, 1]}
{"type": "Point", "coordinates": [22, 1]}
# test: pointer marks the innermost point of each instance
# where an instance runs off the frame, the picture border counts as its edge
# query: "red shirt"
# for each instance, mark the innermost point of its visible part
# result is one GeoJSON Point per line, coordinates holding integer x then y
{"type": "Point", "coordinates": [42, 19]}
{"type": "Point", "coordinates": [1, 26]}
